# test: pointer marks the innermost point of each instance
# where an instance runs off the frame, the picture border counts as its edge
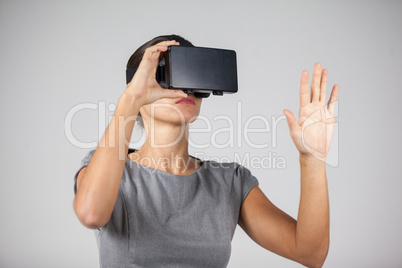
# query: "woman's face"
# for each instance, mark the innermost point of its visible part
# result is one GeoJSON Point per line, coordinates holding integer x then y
{"type": "Point", "coordinates": [175, 111]}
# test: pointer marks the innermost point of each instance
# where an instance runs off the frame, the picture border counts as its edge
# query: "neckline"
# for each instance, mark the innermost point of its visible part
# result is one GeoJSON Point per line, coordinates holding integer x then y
{"type": "Point", "coordinates": [155, 170]}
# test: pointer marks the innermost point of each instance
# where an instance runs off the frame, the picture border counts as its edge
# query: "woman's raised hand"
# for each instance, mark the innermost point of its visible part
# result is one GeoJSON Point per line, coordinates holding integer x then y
{"type": "Point", "coordinates": [143, 86]}
{"type": "Point", "coordinates": [313, 133]}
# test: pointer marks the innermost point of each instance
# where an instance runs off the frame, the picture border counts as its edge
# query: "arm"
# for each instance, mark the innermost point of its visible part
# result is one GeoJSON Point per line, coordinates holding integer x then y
{"type": "Point", "coordinates": [307, 239]}
{"type": "Point", "coordinates": [98, 184]}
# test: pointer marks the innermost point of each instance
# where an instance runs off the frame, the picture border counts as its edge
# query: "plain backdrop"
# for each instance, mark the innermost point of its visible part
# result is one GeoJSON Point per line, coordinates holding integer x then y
{"type": "Point", "coordinates": [55, 55]}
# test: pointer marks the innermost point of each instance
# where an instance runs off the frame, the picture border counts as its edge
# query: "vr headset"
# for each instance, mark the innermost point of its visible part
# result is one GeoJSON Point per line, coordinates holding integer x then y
{"type": "Point", "coordinates": [197, 70]}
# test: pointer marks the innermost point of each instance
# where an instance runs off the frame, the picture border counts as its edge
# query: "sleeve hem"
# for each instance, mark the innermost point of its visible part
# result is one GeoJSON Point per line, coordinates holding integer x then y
{"type": "Point", "coordinates": [255, 183]}
{"type": "Point", "coordinates": [75, 179]}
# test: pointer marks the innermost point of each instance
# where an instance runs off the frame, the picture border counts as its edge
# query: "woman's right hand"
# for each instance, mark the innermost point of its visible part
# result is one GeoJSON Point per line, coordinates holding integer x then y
{"type": "Point", "coordinates": [143, 86]}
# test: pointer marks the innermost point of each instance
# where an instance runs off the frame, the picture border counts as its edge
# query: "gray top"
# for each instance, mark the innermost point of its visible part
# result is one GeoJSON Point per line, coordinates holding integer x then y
{"type": "Point", "coordinates": [166, 220]}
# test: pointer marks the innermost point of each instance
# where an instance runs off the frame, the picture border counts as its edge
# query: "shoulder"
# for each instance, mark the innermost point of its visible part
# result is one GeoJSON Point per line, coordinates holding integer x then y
{"type": "Point", "coordinates": [237, 178]}
{"type": "Point", "coordinates": [229, 166]}
{"type": "Point", "coordinates": [220, 167]}
{"type": "Point", "coordinates": [232, 170]}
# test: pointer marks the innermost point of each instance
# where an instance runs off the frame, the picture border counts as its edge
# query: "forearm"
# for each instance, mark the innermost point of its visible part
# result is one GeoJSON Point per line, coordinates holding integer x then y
{"type": "Point", "coordinates": [312, 231]}
{"type": "Point", "coordinates": [99, 186]}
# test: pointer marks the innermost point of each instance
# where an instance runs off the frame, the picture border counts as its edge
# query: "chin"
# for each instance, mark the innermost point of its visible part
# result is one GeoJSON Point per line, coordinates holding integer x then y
{"type": "Point", "coordinates": [178, 120]}
{"type": "Point", "coordinates": [165, 110]}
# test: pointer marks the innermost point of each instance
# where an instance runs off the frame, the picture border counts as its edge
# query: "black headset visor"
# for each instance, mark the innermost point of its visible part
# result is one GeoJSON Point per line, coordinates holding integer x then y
{"type": "Point", "coordinates": [197, 70]}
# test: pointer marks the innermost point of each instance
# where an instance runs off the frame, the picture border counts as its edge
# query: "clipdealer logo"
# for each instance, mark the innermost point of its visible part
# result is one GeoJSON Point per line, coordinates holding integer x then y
{"type": "Point", "coordinates": [236, 133]}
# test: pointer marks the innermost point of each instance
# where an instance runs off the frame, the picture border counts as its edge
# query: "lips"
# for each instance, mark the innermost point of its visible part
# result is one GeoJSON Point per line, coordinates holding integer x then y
{"type": "Point", "coordinates": [189, 100]}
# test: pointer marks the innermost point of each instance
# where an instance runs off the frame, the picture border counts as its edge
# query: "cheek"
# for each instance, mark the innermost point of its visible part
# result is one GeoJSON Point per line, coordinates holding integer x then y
{"type": "Point", "coordinates": [166, 112]}
{"type": "Point", "coordinates": [155, 107]}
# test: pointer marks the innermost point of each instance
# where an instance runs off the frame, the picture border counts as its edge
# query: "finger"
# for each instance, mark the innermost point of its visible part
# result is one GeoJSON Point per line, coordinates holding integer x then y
{"type": "Point", "coordinates": [333, 98]}
{"type": "Point", "coordinates": [292, 122]}
{"type": "Point", "coordinates": [150, 52]}
{"type": "Point", "coordinates": [158, 54]}
{"type": "Point", "coordinates": [323, 86]}
{"type": "Point", "coordinates": [155, 52]}
{"type": "Point", "coordinates": [162, 46]}
{"type": "Point", "coordinates": [304, 94]}
{"type": "Point", "coordinates": [168, 43]}
{"type": "Point", "coordinates": [315, 83]}
{"type": "Point", "coordinates": [152, 55]}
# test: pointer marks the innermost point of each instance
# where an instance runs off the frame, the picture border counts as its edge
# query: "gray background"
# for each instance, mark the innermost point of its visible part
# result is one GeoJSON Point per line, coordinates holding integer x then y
{"type": "Point", "coordinates": [55, 55]}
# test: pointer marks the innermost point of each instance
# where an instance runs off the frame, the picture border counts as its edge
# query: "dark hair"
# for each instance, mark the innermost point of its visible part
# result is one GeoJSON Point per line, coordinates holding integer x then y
{"type": "Point", "coordinates": [135, 59]}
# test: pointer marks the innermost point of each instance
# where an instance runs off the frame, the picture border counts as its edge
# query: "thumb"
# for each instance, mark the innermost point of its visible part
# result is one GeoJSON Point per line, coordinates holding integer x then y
{"type": "Point", "coordinates": [173, 93]}
{"type": "Point", "coordinates": [292, 122]}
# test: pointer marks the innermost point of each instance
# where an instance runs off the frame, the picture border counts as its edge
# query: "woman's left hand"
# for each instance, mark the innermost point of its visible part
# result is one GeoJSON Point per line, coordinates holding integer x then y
{"type": "Point", "coordinates": [313, 133]}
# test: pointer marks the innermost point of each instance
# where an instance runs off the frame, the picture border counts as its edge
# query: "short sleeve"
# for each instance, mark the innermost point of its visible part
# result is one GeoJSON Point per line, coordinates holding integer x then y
{"type": "Point", "coordinates": [245, 181]}
{"type": "Point", "coordinates": [84, 163]}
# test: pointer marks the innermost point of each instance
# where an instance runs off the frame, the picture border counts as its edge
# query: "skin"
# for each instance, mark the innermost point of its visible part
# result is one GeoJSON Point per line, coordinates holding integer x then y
{"type": "Point", "coordinates": [166, 123]}
{"type": "Point", "coordinates": [307, 239]}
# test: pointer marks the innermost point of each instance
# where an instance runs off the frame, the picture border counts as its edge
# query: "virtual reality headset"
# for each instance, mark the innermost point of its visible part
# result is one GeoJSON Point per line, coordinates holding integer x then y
{"type": "Point", "coordinates": [197, 70]}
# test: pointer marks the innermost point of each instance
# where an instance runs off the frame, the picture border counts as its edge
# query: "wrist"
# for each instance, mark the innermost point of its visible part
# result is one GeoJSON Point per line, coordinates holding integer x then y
{"type": "Point", "coordinates": [310, 159]}
{"type": "Point", "coordinates": [128, 98]}
{"type": "Point", "coordinates": [128, 105]}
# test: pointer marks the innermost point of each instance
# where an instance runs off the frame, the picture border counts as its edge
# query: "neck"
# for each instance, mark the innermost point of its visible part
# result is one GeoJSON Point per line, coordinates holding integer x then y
{"type": "Point", "coordinates": [166, 148]}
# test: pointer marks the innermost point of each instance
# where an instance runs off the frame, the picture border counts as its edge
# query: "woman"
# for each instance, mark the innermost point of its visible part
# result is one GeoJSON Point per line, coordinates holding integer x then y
{"type": "Point", "coordinates": [159, 206]}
